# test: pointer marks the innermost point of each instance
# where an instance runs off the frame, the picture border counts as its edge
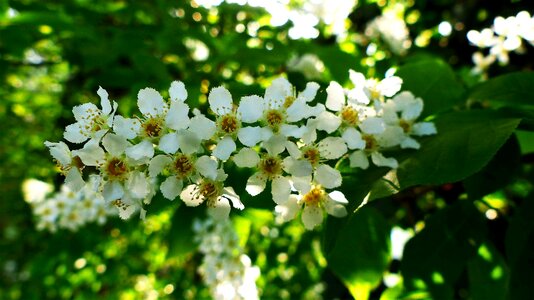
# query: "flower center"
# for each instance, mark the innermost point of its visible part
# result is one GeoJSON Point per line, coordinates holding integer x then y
{"type": "Point", "coordinates": [314, 197]}
{"type": "Point", "coordinates": [183, 166]}
{"type": "Point", "coordinates": [152, 127]}
{"type": "Point", "coordinates": [229, 124]}
{"type": "Point", "coordinates": [405, 125]}
{"type": "Point", "coordinates": [274, 119]}
{"type": "Point", "coordinates": [271, 166]}
{"type": "Point", "coordinates": [116, 169]}
{"type": "Point", "coordinates": [370, 142]}
{"type": "Point", "coordinates": [312, 155]}
{"type": "Point", "coordinates": [349, 115]}
{"type": "Point", "coordinates": [98, 123]}
{"type": "Point", "coordinates": [209, 190]}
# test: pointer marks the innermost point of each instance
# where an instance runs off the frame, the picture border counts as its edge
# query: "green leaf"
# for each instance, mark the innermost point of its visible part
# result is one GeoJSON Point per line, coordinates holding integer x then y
{"type": "Point", "coordinates": [526, 141]}
{"type": "Point", "coordinates": [488, 274]}
{"type": "Point", "coordinates": [435, 82]}
{"type": "Point", "coordinates": [497, 173]}
{"type": "Point", "coordinates": [435, 258]}
{"type": "Point", "coordinates": [181, 236]}
{"type": "Point", "coordinates": [362, 252]}
{"type": "Point", "coordinates": [466, 141]}
{"type": "Point", "coordinates": [509, 90]}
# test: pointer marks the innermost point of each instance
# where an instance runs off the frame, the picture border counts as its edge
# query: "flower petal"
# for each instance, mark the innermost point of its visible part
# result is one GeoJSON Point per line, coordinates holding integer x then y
{"type": "Point", "coordinates": [335, 98]}
{"type": "Point", "coordinates": [171, 187]}
{"type": "Point", "coordinates": [224, 148]}
{"type": "Point", "coordinates": [312, 216]}
{"type": "Point", "coordinates": [256, 184]}
{"type": "Point", "coordinates": [353, 138]}
{"type": "Point", "coordinates": [358, 159]}
{"type": "Point", "coordinates": [190, 195]}
{"type": "Point", "coordinates": [332, 147]}
{"type": "Point", "coordinates": [115, 144]}
{"type": "Point", "coordinates": [169, 143]}
{"type": "Point", "coordinates": [381, 161]}
{"type": "Point", "coordinates": [178, 116]}
{"type": "Point", "coordinates": [126, 127]}
{"type": "Point", "coordinates": [328, 177]}
{"type": "Point", "coordinates": [207, 167]}
{"type": "Point", "coordinates": [220, 101]}
{"type": "Point", "coordinates": [280, 189]}
{"type": "Point", "coordinates": [157, 164]}
{"type": "Point", "coordinates": [250, 108]}
{"type": "Point", "coordinates": [150, 102]}
{"type": "Point", "coordinates": [328, 122]}
{"type": "Point", "coordinates": [104, 101]}
{"type": "Point", "coordinates": [250, 136]}
{"type": "Point", "coordinates": [246, 158]}
{"type": "Point", "coordinates": [60, 152]}
{"type": "Point", "coordinates": [177, 91]}
{"type": "Point", "coordinates": [221, 210]}
{"type": "Point", "coordinates": [145, 149]}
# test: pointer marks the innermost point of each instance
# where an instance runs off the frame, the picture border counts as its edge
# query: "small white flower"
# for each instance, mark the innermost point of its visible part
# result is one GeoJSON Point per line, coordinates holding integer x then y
{"type": "Point", "coordinates": [367, 90]}
{"type": "Point", "coordinates": [214, 193]}
{"type": "Point", "coordinates": [69, 163]}
{"type": "Point", "coordinates": [313, 201]}
{"type": "Point", "coordinates": [91, 122]}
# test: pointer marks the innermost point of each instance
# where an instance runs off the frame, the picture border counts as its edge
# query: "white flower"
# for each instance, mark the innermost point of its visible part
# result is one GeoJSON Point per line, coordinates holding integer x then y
{"type": "Point", "coordinates": [313, 201]}
{"type": "Point", "coordinates": [91, 122]}
{"type": "Point", "coordinates": [308, 64]}
{"type": "Point", "coordinates": [367, 90]}
{"type": "Point", "coordinates": [409, 107]}
{"type": "Point", "coordinates": [69, 164]}
{"type": "Point", "coordinates": [214, 193]}
{"type": "Point", "coordinates": [269, 168]}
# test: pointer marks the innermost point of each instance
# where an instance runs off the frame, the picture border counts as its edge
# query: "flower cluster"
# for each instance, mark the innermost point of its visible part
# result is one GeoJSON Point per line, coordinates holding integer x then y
{"type": "Point", "coordinates": [505, 36]}
{"type": "Point", "coordinates": [226, 270]}
{"type": "Point", "coordinates": [66, 209]}
{"type": "Point", "coordinates": [290, 141]}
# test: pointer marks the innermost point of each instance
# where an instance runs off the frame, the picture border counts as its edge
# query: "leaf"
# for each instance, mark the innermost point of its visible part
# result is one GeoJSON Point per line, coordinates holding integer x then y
{"type": "Point", "coordinates": [510, 89]}
{"type": "Point", "coordinates": [497, 173]}
{"type": "Point", "coordinates": [466, 141]}
{"type": "Point", "coordinates": [488, 274]}
{"type": "Point", "coordinates": [435, 82]}
{"type": "Point", "coordinates": [362, 252]}
{"type": "Point", "coordinates": [435, 258]}
{"type": "Point", "coordinates": [526, 141]}
{"type": "Point", "coordinates": [181, 236]}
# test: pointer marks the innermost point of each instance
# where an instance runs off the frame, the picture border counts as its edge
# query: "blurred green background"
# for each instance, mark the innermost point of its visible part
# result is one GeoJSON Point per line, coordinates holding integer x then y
{"type": "Point", "coordinates": [55, 55]}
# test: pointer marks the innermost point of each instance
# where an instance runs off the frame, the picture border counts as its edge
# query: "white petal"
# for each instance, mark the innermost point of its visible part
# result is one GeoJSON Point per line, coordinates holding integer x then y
{"type": "Point", "coordinates": [409, 143]}
{"type": "Point", "coordinates": [390, 86]}
{"type": "Point", "coordinates": [328, 122]}
{"type": "Point", "coordinates": [358, 159]}
{"type": "Point", "coordinates": [424, 128]}
{"type": "Point", "coordinates": [115, 144]}
{"type": "Point", "coordinates": [358, 96]}
{"type": "Point", "coordinates": [338, 197]}
{"type": "Point", "coordinates": [335, 99]}
{"type": "Point", "coordinates": [413, 111]}
{"type": "Point", "coordinates": [353, 138]}
{"type": "Point", "coordinates": [189, 141]}
{"type": "Point", "coordinates": [298, 111]}
{"type": "Point", "coordinates": [381, 161]}
{"type": "Point", "coordinates": [207, 167]}
{"type": "Point", "coordinates": [220, 101]}
{"type": "Point", "coordinates": [137, 185]}
{"type": "Point", "coordinates": [280, 189]}
{"type": "Point", "coordinates": [150, 102]}
{"type": "Point", "coordinates": [169, 143]}
{"type": "Point", "coordinates": [221, 211]}
{"type": "Point", "coordinates": [276, 93]}
{"type": "Point", "coordinates": [373, 125]}
{"type": "Point", "coordinates": [302, 184]}
{"type": "Point", "coordinates": [203, 127]}
{"type": "Point", "coordinates": [230, 194]}
{"type": "Point", "coordinates": [126, 127]}
{"type": "Point", "coordinates": [82, 113]}
{"type": "Point", "coordinates": [74, 133]}
{"type": "Point", "coordinates": [328, 176]}
{"type": "Point", "coordinates": [171, 187]}
{"type": "Point", "coordinates": [335, 209]}
{"type": "Point", "coordinates": [292, 149]}
{"type": "Point", "coordinates": [288, 210]}
{"type": "Point", "coordinates": [145, 149]}
{"type": "Point", "coordinates": [298, 168]}
{"type": "Point", "coordinates": [91, 154]}
{"type": "Point", "coordinates": [292, 130]}
{"type": "Point", "coordinates": [177, 91]}
{"type": "Point", "coordinates": [112, 191]}
{"type": "Point", "coordinates": [310, 91]}
{"type": "Point", "coordinates": [256, 184]}
{"type": "Point", "coordinates": [60, 152]}
{"type": "Point", "coordinates": [104, 101]}
{"type": "Point", "coordinates": [332, 147]}
{"type": "Point", "coordinates": [250, 108]}
{"type": "Point", "coordinates": [275, 144]}
{"type": "Point", "coordinates": [157, 164]}
{"type": "Point", "coordinates": [190, 195]}
{"type": "Point", "coordinates": [246, 158]}
{"type": "Point", "coordinates": [391, 137]}
{"type": "Point", "coordinates": [311, 217]}
{"type": "Point", "coordinates": [74, 180]}
{"type": "Point", "coordinates": [224, 148]}
{"type": "Point", "coordinates": [178, 116]}
{"type": "Point", "coordinates": [249, 136]}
